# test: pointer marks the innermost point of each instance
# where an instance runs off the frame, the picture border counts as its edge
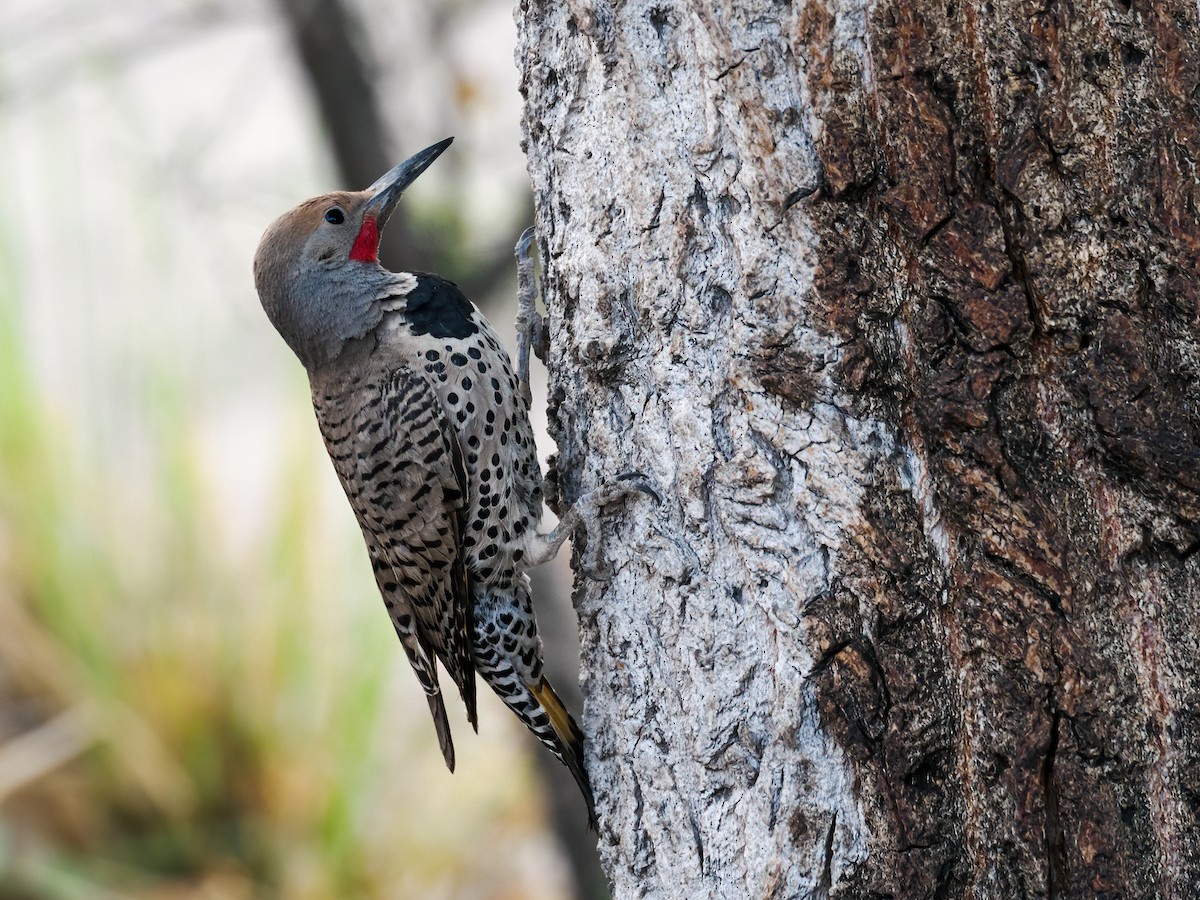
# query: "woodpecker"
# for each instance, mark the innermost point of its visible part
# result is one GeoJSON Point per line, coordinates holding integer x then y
{"type": "Point", "coordinates": [427, 425]}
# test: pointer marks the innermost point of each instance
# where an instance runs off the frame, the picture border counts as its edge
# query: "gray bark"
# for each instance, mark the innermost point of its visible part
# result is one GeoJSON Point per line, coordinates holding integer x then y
{"type": "Point", "coordinates": [897, 305]}
{"type": "Point", "coordinates": [708, 753]}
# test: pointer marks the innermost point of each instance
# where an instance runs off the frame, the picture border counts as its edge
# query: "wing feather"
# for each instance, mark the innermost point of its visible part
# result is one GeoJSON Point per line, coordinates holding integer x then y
{"type": "Point", "coordinates": [402, 468]}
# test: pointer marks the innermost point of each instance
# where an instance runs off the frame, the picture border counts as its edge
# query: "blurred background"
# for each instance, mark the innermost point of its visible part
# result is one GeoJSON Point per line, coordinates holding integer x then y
{"type": "Point", "coordinates": [200, 693]}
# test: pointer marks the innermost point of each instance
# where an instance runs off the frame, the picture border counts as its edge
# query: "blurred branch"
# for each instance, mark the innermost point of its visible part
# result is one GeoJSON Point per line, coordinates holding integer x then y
{"type": "Point", "coordinates": [331, 44]}
{"type": "Point", "coordinates": [328, 39]}
{"type": "Point", "coordinates": [43, 749]}
{"type": "Point", "coordinates": [28, 648]}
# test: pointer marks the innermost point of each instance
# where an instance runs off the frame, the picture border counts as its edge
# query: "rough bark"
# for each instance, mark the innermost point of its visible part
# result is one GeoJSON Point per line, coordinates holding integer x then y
{"type": "Point", "coordinates": [898, 305]}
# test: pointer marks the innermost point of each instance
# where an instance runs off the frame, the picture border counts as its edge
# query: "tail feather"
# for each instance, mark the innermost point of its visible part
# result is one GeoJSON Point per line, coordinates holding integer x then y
{"type": "Point", "coordinates": [424, 667]}
{"type": "Point", "coordinates": [569, 740]}
{"type": "Point", "coordinates": [438, 709]}
{"type": "Point", "coordinates": [463, 668]}
{"type": "Point", "coordinates": [466, 690]}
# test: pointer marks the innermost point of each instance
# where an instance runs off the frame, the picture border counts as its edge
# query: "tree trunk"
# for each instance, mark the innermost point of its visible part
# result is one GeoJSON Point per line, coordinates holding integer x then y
{"type": "Point", "coordinates": [898, 305]}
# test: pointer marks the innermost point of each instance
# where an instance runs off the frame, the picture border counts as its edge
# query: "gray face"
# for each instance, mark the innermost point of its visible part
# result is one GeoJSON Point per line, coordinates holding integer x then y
{"type": "Point", "coordinates": [318, 278]}
{"type": "Point", "coordinates": [317, 267]}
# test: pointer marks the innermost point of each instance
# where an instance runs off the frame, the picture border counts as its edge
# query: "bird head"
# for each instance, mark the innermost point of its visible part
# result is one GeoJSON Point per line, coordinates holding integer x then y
{"type": "Point", "coordinates": [317, 267]}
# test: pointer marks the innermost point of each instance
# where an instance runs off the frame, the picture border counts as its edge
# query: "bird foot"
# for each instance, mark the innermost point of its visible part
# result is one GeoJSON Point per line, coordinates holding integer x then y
{"type": "Point", "coordinates": [531, 328]}
{"type": "Point", "coordinates": [585, 513]}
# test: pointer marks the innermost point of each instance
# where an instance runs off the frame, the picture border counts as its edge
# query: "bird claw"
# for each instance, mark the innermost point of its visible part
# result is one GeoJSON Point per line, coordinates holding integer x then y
{"type": "Point", "coordinates": [587, 509]}
{"type": "Point", "coordinates": [590, 565]}
{"type": "Point", "coordinates": [523, 243]}
{"type": "Point", "coordinates": [585, 513]}
{"type": "Point", "coordinates": [642, 483]}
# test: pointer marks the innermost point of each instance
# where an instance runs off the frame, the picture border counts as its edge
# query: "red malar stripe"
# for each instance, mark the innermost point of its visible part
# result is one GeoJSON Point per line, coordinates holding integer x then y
{"type": "Point", "coordinates": [366, 245]}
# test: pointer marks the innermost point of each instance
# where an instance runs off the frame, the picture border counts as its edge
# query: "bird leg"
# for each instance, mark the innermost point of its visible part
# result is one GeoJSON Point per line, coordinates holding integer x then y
{"type": "Point", "coordinates": [586, 512]}
{"type": "Point", "coordinates": [531, 329]}
{"type": "Point", "coordinates": [531, 333]}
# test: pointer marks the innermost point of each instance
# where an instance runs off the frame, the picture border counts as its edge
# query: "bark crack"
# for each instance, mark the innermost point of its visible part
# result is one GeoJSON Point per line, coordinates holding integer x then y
{"type": "Point", "coordinates": [1057, 880]}
{"type": "Point", "coordinates": [746, 53]}
{"type": "Point", "coordinates": [696, 836]}
{"type": "Point", "coordinates": [821, 891]}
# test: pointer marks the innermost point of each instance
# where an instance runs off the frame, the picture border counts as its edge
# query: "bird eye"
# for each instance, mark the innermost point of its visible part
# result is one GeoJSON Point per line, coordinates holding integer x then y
{"type": "Point", "coordinates": [334, 216]}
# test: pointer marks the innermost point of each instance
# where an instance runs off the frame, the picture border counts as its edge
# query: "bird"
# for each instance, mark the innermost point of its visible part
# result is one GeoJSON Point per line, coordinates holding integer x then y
{"type": "Point", "coordinates": [426, 422]}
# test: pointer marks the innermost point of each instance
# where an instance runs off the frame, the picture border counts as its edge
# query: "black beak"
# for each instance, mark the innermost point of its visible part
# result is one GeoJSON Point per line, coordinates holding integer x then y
{"type": "Point", "coordinates": [387, 189]}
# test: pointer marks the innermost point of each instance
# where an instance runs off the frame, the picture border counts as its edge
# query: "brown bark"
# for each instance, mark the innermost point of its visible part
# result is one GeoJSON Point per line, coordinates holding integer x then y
{"type": "Point", "coordinates": [1009, 249]}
